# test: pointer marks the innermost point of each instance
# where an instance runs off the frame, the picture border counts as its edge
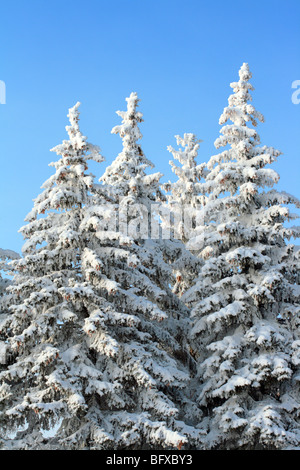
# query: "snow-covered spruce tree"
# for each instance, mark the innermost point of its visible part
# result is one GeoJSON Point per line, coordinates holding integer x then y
{"type": "Point", "coordinates": [49, 365]}
{"type": "Point", "coordinates": [246, 300]}
{"type": "Point", "coordinates": [183, 201]}
{"type": "Point", "coordinates": [138, 336]}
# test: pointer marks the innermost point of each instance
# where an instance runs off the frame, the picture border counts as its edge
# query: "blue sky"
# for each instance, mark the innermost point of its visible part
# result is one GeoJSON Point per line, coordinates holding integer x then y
{"type": "Point", "coordinates": [179, 56]}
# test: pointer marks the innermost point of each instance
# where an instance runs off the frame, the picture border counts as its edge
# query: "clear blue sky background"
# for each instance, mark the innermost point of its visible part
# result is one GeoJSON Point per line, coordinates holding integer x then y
{"type": "Point", "coordinates": [179, 56]}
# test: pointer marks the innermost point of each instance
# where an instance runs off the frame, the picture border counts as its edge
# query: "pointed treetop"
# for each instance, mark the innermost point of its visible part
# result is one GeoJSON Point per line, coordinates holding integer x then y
{"type": "Point", "coordinates": [77, 141]}
{"type": "Point", "coordinates": [70, 185]}
{"type": "Point", "coordinates": [241, 137]}
{"type": "Point", "coordinates": [243, 83]}
{"type": "Point", "coordinates": [73, 116]}
{"type": "Point", "coordinates": [129, 130]}
{"type": "Point", "coordinates": [187, 156]}
{"type": "Point", "coordinates": [244, 72]}
{"type": "Point", "coordinates": [74, 113]}
{"type": "Point", "coordinates": [127, 173]}
{"type": "Point", "coordinates": [239, 110]}
{"type": "Point", "coordinates": [132, 103]}
{"type": "Point", "coordinates": [189, 173]}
